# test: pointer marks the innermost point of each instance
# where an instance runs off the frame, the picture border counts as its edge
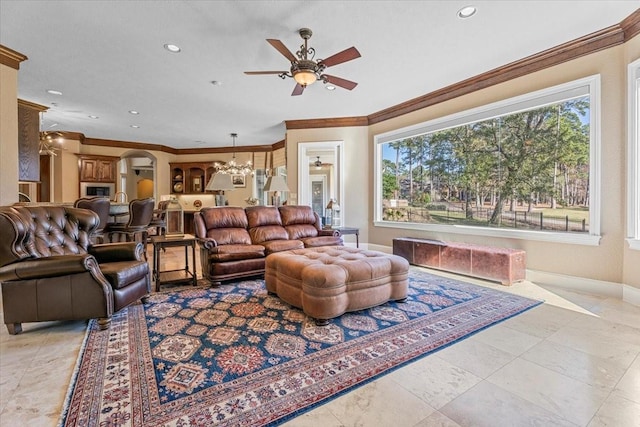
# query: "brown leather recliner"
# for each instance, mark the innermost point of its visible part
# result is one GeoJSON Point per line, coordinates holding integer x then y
{"type": "Point", "coordinates": [226, 250]}
{"type": "Point", "coordinates": [50, 271]}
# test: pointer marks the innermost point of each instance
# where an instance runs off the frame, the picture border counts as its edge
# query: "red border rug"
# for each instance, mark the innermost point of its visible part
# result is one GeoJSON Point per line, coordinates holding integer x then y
{"type": "Point", "coordinates": [236, 356]}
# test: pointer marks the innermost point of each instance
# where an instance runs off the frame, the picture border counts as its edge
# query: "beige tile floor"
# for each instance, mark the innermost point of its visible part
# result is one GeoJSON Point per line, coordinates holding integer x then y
{"type": "Point", "coordinates": [573, 361]}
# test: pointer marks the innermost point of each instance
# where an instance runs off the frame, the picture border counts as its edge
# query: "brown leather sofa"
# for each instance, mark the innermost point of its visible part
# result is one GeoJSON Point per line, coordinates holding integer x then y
{"type": "Point", "coordinates": [234, 241]}
{"type": "Point", "coordinates": [50, 271]}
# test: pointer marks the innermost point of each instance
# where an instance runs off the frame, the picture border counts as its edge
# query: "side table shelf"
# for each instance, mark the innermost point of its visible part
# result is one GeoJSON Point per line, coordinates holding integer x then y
{"type": "Point", "coordinates": [165, 277]}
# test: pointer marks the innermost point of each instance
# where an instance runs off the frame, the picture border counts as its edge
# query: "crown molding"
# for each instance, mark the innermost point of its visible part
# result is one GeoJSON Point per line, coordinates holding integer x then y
{"type": "Point", "coordinates": [176, 151]}
{"type": "Point", "coordinates": [631, 25]}
{"type": "Point", "coordinates": [327, 123]}
{"type": "Point", "coordinates": [11, 58]}
{"type": "Point", "coordinates": [32, 105]}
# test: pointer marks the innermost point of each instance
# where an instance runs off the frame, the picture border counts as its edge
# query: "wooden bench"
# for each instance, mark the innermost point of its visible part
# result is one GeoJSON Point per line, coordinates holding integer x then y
{"type": "Point", "coordinates": [504, 265]}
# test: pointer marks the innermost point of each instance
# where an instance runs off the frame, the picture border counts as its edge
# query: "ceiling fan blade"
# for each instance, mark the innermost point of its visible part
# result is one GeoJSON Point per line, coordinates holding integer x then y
{"type": "Point", "coordinates": [280, 47]}
{"type": "Point", "coordinates": [255, 73]}
{"type": "Point", "coordinates": [347, 84]}
{"type": "Point", "coordinates": [297, 90]}
{"type": "Point", "coordinates": [340, 57]}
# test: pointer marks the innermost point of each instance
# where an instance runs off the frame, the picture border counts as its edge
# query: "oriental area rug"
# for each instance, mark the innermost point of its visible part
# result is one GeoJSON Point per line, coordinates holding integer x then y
{"type": "Point", "coordinates": [236, 356]}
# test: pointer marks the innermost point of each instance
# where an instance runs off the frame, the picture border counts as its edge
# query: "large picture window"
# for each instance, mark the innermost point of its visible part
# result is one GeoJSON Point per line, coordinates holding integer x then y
{"type": "Point", "coordinates": [524, 165]}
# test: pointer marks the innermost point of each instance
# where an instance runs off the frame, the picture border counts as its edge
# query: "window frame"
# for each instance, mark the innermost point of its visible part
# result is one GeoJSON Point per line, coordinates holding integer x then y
{"type": "Point", "coordinates": [633, 156]}
{"type": "Point", "coordinates": [511, 105]}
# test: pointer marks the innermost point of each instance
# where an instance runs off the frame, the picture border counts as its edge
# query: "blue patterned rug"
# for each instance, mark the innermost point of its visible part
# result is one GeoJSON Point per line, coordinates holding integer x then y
{"type": "Point", "coordinates": [236, 356]}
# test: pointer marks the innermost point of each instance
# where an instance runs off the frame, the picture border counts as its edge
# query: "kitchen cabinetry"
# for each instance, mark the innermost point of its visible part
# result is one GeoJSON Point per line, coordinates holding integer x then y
{"type": "Point", "coordinates": [97, 168]}
{"type": "Point", "coordinates": [190, 178]}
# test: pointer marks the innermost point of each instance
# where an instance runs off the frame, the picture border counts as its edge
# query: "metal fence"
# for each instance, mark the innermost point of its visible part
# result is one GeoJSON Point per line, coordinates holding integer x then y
{"type": "Point", "coordinates": [509, 219]}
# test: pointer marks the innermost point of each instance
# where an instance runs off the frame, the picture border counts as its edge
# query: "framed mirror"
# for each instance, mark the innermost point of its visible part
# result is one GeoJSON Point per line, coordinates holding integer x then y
{"type": "Point", "coordinates": [320, 178]}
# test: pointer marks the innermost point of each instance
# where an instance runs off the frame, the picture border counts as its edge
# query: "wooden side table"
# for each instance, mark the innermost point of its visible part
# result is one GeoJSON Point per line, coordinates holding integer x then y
{"type": "Point", "coordinates": [165, 277]}
{"type": "Point", "coordinates": [349, 230]}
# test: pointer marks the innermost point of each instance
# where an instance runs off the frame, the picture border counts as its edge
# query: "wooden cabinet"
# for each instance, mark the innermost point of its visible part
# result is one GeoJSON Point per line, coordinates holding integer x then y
{"type": "Point", "coordinates": [190, 178]}
{"type": "Point", "coordinates": [98, 168]}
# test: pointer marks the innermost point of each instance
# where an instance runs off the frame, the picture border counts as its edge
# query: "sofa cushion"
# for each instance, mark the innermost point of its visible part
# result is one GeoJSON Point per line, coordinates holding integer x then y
{"type": "Point", "coordinates": [313, 242]}
{"type": "Point", "coordinates": [301, 231]}
{"type": "Point", "coordinates": [265, 224]}
{"type": "Point", "coordinates": [297, 215]}
{"type": "Point", "coordinates": [226, 225]}
{"type": "Point", "coordinates": [235, 252]}
{"type": "Point", "coordinates": [258, 216]}
{"type": "Point", "coordinates": [274, 246]}
{"type": "Point", "coordinates": [123, 273]}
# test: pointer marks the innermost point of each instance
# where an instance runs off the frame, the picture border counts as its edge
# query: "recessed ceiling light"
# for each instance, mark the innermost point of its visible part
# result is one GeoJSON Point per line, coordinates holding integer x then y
{"type": "Point", "coordinates": [467, 12]}
{"type": "Point", "coordinates": [330, 87]}
{"type": "Point", "coordinates": [135, 126]}
{"type": "Point", "coordinates": [172, 48]}
{"type": "Point", "coordinates": [54, 92]}
{"type": "Point", "coordinates": [133, 112]}
{"type": "Point", "coordinates": [216, 82]}
{"type": "Point", "coordinates": [94, 117]}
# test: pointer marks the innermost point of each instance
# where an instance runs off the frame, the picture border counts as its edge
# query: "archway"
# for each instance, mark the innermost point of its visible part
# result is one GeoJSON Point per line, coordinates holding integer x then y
{"type": "Point", "coordinates": [138, 174]}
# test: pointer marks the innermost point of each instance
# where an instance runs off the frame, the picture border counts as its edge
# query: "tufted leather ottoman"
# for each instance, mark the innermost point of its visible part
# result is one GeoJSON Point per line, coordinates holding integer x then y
{"type": "Point", "coordinates": [326, 282]}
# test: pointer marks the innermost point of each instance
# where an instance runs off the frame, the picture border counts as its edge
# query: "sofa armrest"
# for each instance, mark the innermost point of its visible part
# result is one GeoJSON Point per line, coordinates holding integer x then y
{"type": "Point", "coordinates": [329, 232]}
{"type": "Point", "coordinates": [114, 252]}
{"type": "Point", "coordinates": [53, 266]}
{"type": "Point", "coordinates": [207, 243]}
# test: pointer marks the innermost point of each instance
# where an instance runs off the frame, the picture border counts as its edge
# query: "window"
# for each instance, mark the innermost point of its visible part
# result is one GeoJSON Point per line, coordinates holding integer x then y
{"type": "Point", "coordinates": [633, 184]}
{"type": "Point", "coordinates": [526, 167]}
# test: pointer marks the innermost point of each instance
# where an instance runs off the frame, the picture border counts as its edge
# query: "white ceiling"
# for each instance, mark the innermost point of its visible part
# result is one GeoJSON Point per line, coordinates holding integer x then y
{"type": "Point", "coordinates": [107, 57]}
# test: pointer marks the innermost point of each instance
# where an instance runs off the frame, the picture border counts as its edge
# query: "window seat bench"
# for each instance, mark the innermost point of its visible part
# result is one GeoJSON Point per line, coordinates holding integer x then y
{"type": "Point", "coordinates": [504, 265]}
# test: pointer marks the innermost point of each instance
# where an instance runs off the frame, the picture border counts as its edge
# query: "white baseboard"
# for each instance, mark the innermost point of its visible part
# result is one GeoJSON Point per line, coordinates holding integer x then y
{"type": "Point", "coordinates": [379, 248]}
{"type": "Point", "coordinates": [580, 284]}
{"type": "Point", "coordinates": [631, 295]}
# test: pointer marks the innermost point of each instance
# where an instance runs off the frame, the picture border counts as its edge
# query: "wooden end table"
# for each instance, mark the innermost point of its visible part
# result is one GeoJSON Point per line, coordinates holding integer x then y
{"type": "Point", "coordinates": [165, 277]}
{"type": "Point", "coordinates": [349, 230]}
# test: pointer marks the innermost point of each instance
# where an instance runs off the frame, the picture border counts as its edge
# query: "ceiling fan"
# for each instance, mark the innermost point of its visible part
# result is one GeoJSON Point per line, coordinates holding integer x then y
{"type": "Point", "coordinates": [305, 70]}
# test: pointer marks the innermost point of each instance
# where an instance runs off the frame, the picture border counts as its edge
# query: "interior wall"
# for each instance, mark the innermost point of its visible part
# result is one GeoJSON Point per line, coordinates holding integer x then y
{"type": "Point", "coordinates": [8, 135]}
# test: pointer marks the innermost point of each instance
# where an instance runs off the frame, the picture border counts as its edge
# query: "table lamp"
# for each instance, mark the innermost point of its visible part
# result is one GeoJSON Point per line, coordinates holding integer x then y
{"type": "Point", "coordinates": [276, 184]}
{"type": "Point", "coordinates": [220, 182]}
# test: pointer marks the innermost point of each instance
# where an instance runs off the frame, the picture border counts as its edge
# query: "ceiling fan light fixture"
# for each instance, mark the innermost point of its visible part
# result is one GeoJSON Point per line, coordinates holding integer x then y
{"type": "Point", "coordinates": [305, 77]}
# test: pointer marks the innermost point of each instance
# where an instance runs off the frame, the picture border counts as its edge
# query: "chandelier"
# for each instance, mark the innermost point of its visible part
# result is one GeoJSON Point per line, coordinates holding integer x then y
{"type": "Point", "coordinates": [49, 141]}
{"type": "Point", "coordinates": [232, 167]}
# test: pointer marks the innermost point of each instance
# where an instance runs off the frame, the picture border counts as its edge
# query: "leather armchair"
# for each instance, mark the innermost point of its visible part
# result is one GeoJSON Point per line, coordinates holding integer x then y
{"type": "Point", "coordinates": [50, 271]}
